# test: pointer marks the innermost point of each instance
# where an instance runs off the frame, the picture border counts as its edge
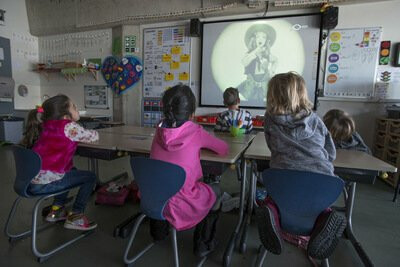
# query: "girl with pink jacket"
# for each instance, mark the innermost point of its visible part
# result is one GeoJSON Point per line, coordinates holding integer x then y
{"type": "Point", "coordinates": [178, 140]}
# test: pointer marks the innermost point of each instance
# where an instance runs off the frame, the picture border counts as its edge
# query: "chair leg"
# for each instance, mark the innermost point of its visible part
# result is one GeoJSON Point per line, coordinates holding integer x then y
{"type": "Point", "coordinates": [42, 256]}
{"type": "Point", "coordinates": [325, 263]}
{"type": "Point", "coordinates": [262, 253]}
{"type": "Point", "coordinates": [175, 247]}
{"type": "Point", "coordinates": [129, 261]}
{"type": "Point", "coordinates": [13, 237]}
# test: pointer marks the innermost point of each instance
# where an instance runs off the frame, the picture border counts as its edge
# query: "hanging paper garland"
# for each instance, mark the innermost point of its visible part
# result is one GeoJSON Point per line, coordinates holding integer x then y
{"type": "Point", "coordinates": [121, 76]}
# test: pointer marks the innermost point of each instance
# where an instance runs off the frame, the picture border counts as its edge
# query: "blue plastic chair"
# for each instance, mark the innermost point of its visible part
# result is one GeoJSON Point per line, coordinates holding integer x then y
{"type": "Point", "coordinates": [158, 181]}
{"type": "Point", "coordinates": [300, 197]}
{"type": "Point", "coordinates": [27, 165]}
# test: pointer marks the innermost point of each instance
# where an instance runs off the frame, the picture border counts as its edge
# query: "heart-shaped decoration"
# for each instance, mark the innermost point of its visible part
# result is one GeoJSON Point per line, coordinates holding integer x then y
{"type": "Point", "coordinates": [121, 76]}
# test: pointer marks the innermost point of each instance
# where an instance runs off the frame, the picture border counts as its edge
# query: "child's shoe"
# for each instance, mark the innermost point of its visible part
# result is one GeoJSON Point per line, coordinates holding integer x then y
{"type": "Point", "coordinates": [268, 230]}
{"type": "Point", "coordinates": [325, 236]}
{"type": "Point", "coordinates": [56, 214]}
{"type": "Point", "coordinates": [79, 222]}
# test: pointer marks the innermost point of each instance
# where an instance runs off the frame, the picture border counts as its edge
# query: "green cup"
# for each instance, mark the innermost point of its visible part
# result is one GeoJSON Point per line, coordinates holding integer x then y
{"type": "Point", "coordinates": [236, 131]}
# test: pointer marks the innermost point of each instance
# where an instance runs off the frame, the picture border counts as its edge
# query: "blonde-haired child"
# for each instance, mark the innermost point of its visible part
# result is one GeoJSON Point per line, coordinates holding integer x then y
{"type": "Point", "coordinates": [298, 140]}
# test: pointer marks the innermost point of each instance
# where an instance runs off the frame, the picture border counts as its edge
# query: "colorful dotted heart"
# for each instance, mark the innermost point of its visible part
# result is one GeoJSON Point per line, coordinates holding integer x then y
{"type": "Point", "coordinates": [121, 76]}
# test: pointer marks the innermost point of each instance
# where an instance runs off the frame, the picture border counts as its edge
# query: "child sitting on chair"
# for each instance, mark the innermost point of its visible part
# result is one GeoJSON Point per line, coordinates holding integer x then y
{"type": "Point", "coordinates": [234, 116]}
{"type": "Point", "coordinates": [298, 140]}
{"type": "Point", "coordinates": [52, 132]}
{"type": "Point", "coordinates": [342, 128]}
{"type": "Point", "coordinates": [178, 140]}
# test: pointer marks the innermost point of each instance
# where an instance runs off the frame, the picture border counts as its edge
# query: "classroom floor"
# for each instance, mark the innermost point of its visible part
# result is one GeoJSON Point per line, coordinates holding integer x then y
{"type": "Point", "coordinates": [376, 222]}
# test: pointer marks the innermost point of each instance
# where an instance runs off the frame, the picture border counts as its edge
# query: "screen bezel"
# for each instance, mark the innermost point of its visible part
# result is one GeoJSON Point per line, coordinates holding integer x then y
{"type": "Point", "coordinates": [258, 18]}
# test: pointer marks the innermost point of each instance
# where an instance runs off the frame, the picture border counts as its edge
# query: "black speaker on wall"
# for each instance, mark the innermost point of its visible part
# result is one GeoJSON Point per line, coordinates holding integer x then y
{"type": "Point", "coordinates": [195, 28]}
{"type": "Point", "coordinates": [330, 18]}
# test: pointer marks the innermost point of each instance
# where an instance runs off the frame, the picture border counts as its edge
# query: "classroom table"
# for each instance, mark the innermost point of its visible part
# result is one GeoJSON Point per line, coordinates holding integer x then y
{"type": "Point", "coordinates": [347, 162]}
{"type": "Point", "coordinates": [137, 141]}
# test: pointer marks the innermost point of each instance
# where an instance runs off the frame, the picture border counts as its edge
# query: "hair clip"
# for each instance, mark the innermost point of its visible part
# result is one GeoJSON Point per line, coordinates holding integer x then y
{"type": "Point", "coordinates": [39, 109]}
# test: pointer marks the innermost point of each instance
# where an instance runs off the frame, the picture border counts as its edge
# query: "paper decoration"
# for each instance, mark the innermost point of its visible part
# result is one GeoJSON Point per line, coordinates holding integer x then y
{"type": "Point", "coordinates": [169, 76]}
{"type": "Point", "coordinates": [183, 76]}
{"type": "Point", "coordinates": [166, 58]}
{"type": "Point", "coordinates": [185, 58]}
{"type": "Point", "coordinates": [174, 65]}
{"type": "Point", "coordinates": [176, 50]}
{"type": "Point", "coordinates": [120, 76]}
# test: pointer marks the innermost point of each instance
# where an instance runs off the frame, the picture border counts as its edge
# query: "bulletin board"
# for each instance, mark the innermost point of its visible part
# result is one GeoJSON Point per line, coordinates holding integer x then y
{"type": "Point", "coordinates": [166, 61]}
{"type": "Point", "coordinates": [96, 96]}
{"type": "Point", "coordinates": [351, 63]}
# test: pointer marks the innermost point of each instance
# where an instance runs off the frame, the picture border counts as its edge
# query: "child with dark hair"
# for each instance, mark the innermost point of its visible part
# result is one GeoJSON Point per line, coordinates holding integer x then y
{"type": "Point", "coordinates": [178, 140]}
{"type": "Point", "coordinates": [234, 115]}
{"type": "Point", "coordinates": [343, 131]}
{"type": "Point", "coordinates": [52, 132]}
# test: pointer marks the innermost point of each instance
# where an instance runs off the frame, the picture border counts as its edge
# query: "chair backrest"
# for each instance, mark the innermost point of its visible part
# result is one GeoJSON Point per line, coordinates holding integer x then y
{"type": "Point", "coordinates": [301, 196]}
{"type": "Point", "coordinates": [27, 165]}
{"type": "Point", "coordinates": [158, 181]}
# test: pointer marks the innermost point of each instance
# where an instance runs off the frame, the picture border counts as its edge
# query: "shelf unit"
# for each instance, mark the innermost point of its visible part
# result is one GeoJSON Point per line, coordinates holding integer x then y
{"type": "Point", "coordinates": [387, 145]}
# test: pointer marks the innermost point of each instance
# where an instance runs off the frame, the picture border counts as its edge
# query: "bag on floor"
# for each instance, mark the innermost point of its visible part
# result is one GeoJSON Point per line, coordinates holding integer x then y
{"type": "Point", "coordinates": [112, 193]}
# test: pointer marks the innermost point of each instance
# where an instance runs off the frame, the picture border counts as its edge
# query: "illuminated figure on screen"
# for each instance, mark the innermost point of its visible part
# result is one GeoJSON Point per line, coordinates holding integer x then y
{"type": "Point", "coordinates": [259, 64]}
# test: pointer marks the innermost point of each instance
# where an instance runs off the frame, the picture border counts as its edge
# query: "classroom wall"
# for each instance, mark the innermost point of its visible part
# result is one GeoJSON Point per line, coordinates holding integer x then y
{"type": "Point", "coordinates": [24, 53]}
{"type": "Point", "coordinates": [386, 15]}
{"type": "Point", "coordinates": [56, 83]}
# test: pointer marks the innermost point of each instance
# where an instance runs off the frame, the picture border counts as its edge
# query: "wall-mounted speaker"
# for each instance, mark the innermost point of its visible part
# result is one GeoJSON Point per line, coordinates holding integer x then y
{"type": "Point", "coordinates": [330, 18]}
{"type": "Point", "coordinates": [195, 28]}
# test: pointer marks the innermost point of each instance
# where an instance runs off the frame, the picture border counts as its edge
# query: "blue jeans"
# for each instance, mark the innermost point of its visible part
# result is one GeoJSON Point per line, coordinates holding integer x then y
{"type": "Point", "coordinates": [87, 180]}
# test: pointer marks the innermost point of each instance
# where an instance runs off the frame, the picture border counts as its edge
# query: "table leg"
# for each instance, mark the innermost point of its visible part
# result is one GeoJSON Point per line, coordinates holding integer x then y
{"type": "Point", "coordinates": [250, 204]}
{"type": "Point", "coordinates": [396, 190]}
{"type": "Point", "coordinates": [349, 230]}
{"type": "Point", "coordinates": [229, 249]}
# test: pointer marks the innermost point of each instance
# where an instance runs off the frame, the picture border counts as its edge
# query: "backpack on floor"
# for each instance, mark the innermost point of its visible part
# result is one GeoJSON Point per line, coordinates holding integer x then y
{"type": "Point", "coordinates": [113, 193]}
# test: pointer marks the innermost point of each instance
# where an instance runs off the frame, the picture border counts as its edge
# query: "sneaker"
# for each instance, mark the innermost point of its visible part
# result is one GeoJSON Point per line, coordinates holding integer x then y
{"type": "Point", "coordinates": [79, 222]}
{"type": "Point", "coordinates": [325, 236]}
{"type": "Point", "coordinates": [268, 230]}
{"type": "Point", "coordinates": [229, 203]}
{"type": "Point", "coordinates": [202, 250]}
{"type": "Point", "coordinates": [56, 214]}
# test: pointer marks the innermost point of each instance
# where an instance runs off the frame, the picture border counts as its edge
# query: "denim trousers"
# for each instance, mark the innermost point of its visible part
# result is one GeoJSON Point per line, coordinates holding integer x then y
{"type": "Point", "coordinates": [84, 179]}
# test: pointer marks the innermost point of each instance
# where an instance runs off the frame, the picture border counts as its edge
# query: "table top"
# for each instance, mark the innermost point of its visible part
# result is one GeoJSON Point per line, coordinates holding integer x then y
{"type": "Point", "coordinates": [350, 159]}
{"type": "Point", "coordinates": [139, 140]}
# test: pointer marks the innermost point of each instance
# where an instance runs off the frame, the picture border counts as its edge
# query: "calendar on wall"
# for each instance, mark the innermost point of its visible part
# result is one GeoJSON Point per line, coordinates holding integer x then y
{"type": "Point", "coordinates": [166, 61]}
{"type": "Point", "coordinates": [96, 96]}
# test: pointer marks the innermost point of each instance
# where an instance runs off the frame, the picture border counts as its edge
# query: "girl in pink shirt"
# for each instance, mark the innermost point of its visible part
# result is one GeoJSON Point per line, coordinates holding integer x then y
{"type": "Point", "coordinates": [178, 140]}
{"type": "Point", "coordinates": [53, 133]}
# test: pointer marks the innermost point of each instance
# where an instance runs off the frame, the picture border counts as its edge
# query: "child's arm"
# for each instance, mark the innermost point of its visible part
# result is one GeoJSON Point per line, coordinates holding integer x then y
{"type": "Point", "coordinates": [213, 143]}
{"type": "Point", "coordinates": [77, 133]}
{"type": "Point", "coordinates": [330, 147]}
{"type": "Point", "coordinates": [222, 124]}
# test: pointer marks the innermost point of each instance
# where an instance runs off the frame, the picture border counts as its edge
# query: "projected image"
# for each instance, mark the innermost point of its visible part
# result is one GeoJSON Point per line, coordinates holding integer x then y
{"type": "Point", "coordinates": [259, 64]}
{"type": "Point", "coordinates": [247, 54]}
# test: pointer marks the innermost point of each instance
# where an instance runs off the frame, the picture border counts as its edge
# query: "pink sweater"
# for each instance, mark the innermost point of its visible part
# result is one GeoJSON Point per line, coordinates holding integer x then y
{"type": "Point", "coordinates": [182, 146]}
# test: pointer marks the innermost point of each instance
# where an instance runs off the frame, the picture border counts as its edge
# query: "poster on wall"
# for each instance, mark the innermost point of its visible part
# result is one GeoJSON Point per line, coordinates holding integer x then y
{"type": "Point", "coordinates": [352, 57]}
{"type": "Point", "coordinates": [96, 96]}
{"type": "Point", "coordinates": [166, 59]}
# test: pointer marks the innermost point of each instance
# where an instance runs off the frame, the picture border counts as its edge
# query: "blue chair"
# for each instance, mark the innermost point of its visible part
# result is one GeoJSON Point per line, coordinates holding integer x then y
{"type": "Point", "coordinates": [158, 181]}
{"type": "Point", "coordinates": [300, 197]}
{"type": "Point", "coordinates": [27, 165]}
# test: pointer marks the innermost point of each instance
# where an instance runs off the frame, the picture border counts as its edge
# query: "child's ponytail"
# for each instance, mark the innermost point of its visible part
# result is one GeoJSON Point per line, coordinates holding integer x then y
{"type": "Point", "coordinates": [33, 128]}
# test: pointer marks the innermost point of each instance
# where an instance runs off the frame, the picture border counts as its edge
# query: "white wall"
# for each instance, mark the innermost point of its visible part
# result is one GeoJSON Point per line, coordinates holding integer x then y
{"type": "Point", "coordinates": [386, 15]}
{"type": "Point", "coordinates": [24, 52]}
{"type": "Point", "coordinates": [94, 44]}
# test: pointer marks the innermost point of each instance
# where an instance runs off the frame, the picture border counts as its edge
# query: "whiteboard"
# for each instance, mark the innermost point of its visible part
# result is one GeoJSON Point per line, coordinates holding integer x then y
{"type": "Point", "coordinates": [352, 57]}
{"type": "Point", "coordinates": [166, 59]}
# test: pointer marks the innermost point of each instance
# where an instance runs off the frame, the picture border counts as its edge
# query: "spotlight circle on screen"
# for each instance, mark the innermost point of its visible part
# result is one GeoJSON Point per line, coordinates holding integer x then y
{"type": "Point", "coordinates": [230, 48]}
